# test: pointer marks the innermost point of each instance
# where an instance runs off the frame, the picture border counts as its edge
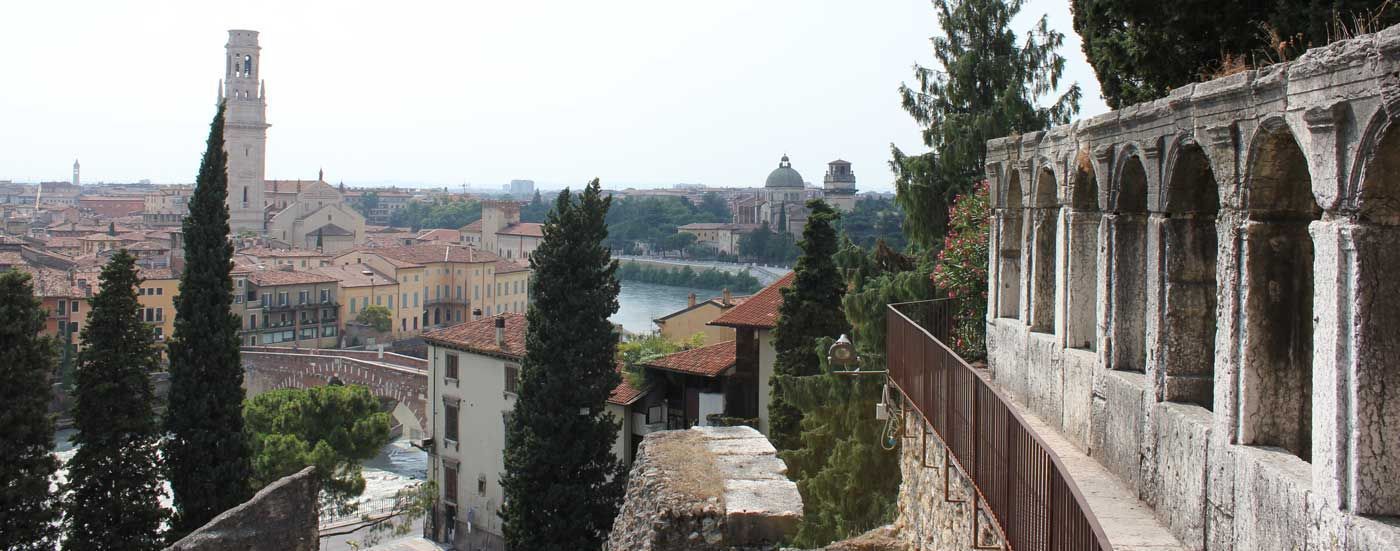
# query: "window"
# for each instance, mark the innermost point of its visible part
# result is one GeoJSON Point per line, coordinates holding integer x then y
{"type": "Point", "coordinates": [364, 302]}
{"type": "Point", "coordinates": [160, 332]}
{"type": "Point", "coordinates": [328, 331]}
{"type": "Point", "coordinates": [378, 301]}
{"type": "Point", "coordinates": [512, 379]}
{"type": "Point", "coordinates": [62, 307]}
{"type": "Point", "coordinates": [253, 321]}
{"type": "Point", "coordinates": [476, 292]}
{"type": "Point", "coordinates": [450, 367]}
{"type": "Point", "coordinates": [352, 306]}
{"type": "Point", "coordinates": [74, 307]}
{"type": "Point", "coordinates": [325, 296]}
{"type": "Point", "coordinates": [160, 314]}
{"type": "Point", "coordinates": [302, 296]}
{"type": "Point", "coordinates": [62, 327]}
{"type": "Point", "coordinates": [160, 291]}
{"type": "Point", "coordinates": [415, 299]}
{"type": "Point", "coordinates": [308, 332]}
{"type": "Point", "coordinates": [449, 421]}
{"type": "Point", "coordinates": [391, 302]}
{"type": "Point", "coordinates": [449, 483]}
{"type": "Point", "coordinates": [282, 298]}
{"type": "Point", "coordinates": [481, 484]}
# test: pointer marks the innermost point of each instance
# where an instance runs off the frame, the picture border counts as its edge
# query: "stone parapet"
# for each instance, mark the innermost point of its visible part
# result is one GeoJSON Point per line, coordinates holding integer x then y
{"type": "Point", "coordinates": [284, 516]}
{"type": "Point", "coordinates": [710, 488]}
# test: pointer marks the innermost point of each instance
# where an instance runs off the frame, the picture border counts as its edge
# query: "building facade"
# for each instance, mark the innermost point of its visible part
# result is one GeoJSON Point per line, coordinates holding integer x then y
{"type": "Point", "coordinates": [286, 308]}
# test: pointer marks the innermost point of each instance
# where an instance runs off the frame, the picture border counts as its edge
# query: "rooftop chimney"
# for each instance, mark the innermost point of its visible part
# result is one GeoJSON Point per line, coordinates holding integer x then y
{"type": "Point", "coordinates": [500, 332]}
{"type": "Point", "coordinates": [691, 301]}
{"type": "Point", "coordinates": [725, 300]}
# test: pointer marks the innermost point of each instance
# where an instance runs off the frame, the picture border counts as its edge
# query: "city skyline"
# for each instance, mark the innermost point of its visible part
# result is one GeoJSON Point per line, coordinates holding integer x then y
{"type": "Point", "coordinates": [454, 95]}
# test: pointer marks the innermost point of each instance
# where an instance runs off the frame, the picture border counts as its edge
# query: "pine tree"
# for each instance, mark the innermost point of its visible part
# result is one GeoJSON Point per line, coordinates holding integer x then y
{"type": "Point", "coordinates": [114, 482]}
{"type": "Point", "coordinates": [811, 309]}
{"type": "Point", "coordinates": [27, 506]}
{"type": "Point", "coordinates": [206, 453]}
{"type": "Point", "coordinates": [1141, 51]}
{"type": "Point", "coordinates": [563, 485]}
{"type": "Point", "coordinates": [987, 88]}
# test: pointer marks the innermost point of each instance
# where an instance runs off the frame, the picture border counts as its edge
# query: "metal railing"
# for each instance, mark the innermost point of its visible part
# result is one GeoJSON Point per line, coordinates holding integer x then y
{"type": "Point", "coordinates": [1014, 473]}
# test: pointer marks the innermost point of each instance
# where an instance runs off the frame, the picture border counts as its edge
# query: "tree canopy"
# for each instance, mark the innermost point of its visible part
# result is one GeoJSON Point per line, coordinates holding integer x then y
{"type": "Point", "coordinates": [563, 485]}
{"type": "Point", "coordinates": [114, 477]}
{"type": "Point", "coordinates": [811, 309]}
{"type": "Point", "coordinates": [986, 86]}
{"type": "Point", "coordinates": [440, 213]}
{"type": "Point", "coordinates": [206, 453]}
{"type": "Point", "coordinates": [652, 221]}
{"type": "Point", "coordinates": [376, 316]}
{"type": "Point", "coordinates": [27, 505]}
{"type": "Point", "coordinates": [1143, 50]}
{"type": "Point", "coordinates": [334, 428]}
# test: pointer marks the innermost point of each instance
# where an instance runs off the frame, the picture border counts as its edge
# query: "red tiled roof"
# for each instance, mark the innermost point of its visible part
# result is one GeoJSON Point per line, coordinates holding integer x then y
{"type": "Point", "coordinates": [509, 266]}
{"type": "Point", "coordinates": [624, 394]}
{"type": "Point", "coordinates": [708, 361]}
{"type": "Point", "coordinates": [440, 234]}
{"type": "Point", "coordinates": [760, 310]}
{"type": "Point", "coordinates": [353, 275]}
{"type": "Point", "coordinates": [286, 277]}
{"type": "Point", "coordinates": [472, 227]}
{"type": "Point", "coordinates": [480, 336]}
{"type": "Point", "coordinates": [435, 252]}
{"type": "Point", "coordinates": [527, 229]}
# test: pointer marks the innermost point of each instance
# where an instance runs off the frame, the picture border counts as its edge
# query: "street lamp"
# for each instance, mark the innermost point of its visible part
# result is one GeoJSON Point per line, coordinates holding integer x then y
{"type": "Point", "coordinates": [369, 275]}
{"type": "Point", "coordinates": [843, 353]}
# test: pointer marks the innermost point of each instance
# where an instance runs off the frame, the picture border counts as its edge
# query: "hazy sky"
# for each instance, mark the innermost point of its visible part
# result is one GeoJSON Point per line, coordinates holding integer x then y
{"type": "Point", "coordinates": [647, 92]}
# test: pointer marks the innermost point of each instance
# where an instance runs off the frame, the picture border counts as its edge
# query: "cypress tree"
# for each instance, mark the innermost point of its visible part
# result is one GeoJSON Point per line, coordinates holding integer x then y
{"type": "Point", "coordinates": [206, 452]}
{"type": "Point", "coordinates": [986, 88]}
{"type": "Point", "coordinates": [114, 476]}
{"type": "Point", "coordinates": [563, 485]}
{"type": "Point", "coordinates": [27, 506]}
{"type": "Point", "coordinates": [811, 309]}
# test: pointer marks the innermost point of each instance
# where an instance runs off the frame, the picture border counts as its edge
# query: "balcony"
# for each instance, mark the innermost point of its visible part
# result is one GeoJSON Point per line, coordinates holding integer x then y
{"type": "Point", "coordinates": [448, 301]}
{"type": "Point", "coordinates": [1016, 475]}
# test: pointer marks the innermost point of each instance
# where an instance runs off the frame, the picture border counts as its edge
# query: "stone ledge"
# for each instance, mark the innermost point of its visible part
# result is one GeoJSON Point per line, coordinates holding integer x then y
{"type": "Point", "coordinates": [706, 489]}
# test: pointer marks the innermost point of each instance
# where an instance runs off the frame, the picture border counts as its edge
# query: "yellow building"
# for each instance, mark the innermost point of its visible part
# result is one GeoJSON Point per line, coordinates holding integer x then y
{"type": "Point", "coordinates": [157, 293]}
{"type": "Point", "coordinates": [361, 286]}
{"type": "Point", "coordinates": [680, 325]}
{"type": "Point", "coordinates": [439, 284]}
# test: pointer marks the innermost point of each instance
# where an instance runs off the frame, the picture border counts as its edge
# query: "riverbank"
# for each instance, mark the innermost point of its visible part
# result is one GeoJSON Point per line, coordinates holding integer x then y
{"type": "Point", "coordinates": [685, 276]}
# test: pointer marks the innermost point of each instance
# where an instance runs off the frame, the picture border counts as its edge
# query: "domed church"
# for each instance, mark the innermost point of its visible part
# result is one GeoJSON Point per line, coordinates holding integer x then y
{"type": "Point", "coordinates": [782, 201]}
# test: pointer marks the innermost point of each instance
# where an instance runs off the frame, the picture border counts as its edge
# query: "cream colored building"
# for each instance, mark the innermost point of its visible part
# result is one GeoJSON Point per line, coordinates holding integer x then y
{"type": "Point", "coordinates": [442, 284]}
{"type": "Point", "coordinates": [359, 290]}
{"type": "Point", "coordinates": [473, 370]}
{"type": "Point", "coordinates": [722, 237]}
{"type": "Point", "coordinates": [500, 231]}
{"type": "Point", "coordinates": [282, 307]}
{"type": "Point", "coordinates": [318, 219]}
{"type": "Point", "coordinates": [681, 325]}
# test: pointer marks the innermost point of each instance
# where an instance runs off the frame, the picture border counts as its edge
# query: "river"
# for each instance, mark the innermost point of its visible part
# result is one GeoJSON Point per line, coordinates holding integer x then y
{"type": "Point", "coordinates": [639, 303]}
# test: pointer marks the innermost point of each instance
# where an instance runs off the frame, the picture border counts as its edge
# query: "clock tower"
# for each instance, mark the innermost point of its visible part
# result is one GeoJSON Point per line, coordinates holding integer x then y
{"type": "Point", "coordinates": [245, 130]}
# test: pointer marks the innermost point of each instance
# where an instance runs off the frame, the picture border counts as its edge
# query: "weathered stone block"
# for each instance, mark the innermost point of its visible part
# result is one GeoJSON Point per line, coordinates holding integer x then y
{"type": "Point", "coordinates": [1120, 416]}
{"type": "Point", "coordinates": [284, 516]}
{"type": "Point", "coordinates": [1178, 489]}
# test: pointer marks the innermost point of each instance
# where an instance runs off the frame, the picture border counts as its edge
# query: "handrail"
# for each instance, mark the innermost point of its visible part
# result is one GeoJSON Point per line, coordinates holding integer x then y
{"type": "Point", "coordinates": [1024, 484]}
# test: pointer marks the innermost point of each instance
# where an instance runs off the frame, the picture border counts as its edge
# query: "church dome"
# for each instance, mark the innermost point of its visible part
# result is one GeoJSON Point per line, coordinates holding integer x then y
{"type": "Point", "coordinates": [784, 176]}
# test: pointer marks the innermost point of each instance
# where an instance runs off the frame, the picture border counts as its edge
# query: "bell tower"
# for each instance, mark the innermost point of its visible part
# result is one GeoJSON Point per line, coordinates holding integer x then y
{"type": "Point", "coordinates": [245, 130]}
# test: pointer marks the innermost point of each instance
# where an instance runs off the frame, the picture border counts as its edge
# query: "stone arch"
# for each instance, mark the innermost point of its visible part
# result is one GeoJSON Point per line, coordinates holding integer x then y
{"type": "Point", "coordinates": [1185, 355]}
{"type": "Point", "coordinates": [1372, 314]}
{"type": "Point", "coordinates": [1276, 364]}
{"type": "Point", "coordinates": [1009, 277]}
{"type": "Point", "coordinates": [1376, 192]}
{"type": "Point", "coordinates": [1044, 216]}
{"type": "Point", "coordinates": [1126, 224]}
{"type": "Point", "coordinates": [1082, 219]}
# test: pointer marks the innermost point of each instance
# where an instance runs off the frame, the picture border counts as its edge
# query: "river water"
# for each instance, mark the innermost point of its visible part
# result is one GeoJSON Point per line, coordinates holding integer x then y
{"type": "Point", "coordinates": [639, 303]}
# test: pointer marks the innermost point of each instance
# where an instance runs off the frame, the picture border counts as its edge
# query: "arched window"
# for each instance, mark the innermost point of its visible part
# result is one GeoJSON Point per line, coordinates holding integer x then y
{"type": "Point", "coordinates": [1045, 222]}
{"type": "Point", "coordinates": [1186, 350]}
{"type": "Point", "coordinates": [1009, 278]}
{"type": "Point", "coordinates": [248, 66]}
{"type": "Point", "coordinates": [1082, 242]}
{"type": "Point", "coordinates": [1127, 226]}
{"type": "Point", "coordinates": [1277, 277]}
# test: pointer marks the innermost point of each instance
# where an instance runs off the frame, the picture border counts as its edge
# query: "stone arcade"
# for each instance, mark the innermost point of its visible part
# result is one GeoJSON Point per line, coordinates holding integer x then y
{"type": "Point", "coordinates": [1194, 291]}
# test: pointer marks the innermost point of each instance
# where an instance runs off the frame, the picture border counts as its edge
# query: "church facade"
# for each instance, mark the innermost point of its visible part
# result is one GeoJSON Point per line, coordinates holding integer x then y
{"type": "Point", "coordinates": [782, 202]}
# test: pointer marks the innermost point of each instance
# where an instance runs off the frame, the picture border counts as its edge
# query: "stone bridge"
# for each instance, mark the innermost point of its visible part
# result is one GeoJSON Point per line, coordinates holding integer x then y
{"type": "Point", "coordinates": [403, 379]}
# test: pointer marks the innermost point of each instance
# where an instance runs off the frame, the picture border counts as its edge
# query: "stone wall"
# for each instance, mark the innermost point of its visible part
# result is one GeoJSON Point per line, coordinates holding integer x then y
{"type": "Point", "coordinates": [1228, 362]}
{"type": "Point", "coordinates": [284, 516]}
{"type": "Point", "coordinates": [706, 489]}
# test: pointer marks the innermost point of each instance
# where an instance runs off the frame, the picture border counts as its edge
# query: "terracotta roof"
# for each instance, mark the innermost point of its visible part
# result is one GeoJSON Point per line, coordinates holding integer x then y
{"type": "Point", "coordinates": [146, 246]}
{"type": "Point", "coordinates": [480, 336]}
{"type": "Point", "coordinates": [151, 274]}
{"type": "Point", "coordinates": [624, 394]}
{"type": "Point", "coordinates": [351, 276]}
{"type": "Point", "coordinates": [527, 229]}
{"type": "Point", "coordinates": [49, 282]}
{"type": "Point", "coordinates": [435, 252]}
{"type": "Point", "coordinates": [760, 310]}
{"type": "Point", "coordinates": [99, 237]}
{"type": "Point", "coordinates": [282, 253]}
{"type": "Point", "coordinates": [472, 227]}
{"type": "Point", "coordinates": [507, 267]}
{"type": "Point", "coordinates": [286, 277]}
{"type": "Point", "coordinates": [717, 301]}
{"type": "Point", "coordinates": [707, 361]}
{"type": "Point", "coordinates": [440, 234]}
